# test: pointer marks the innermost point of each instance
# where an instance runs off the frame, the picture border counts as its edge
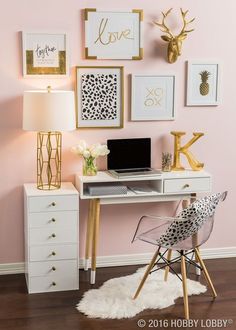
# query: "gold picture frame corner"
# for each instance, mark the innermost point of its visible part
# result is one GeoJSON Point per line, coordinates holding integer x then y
{"type": "Point", "coordinates": [138, 57]}
{"type": "Point", "coordinates": [87, 56]}
{"type": "Point", "coordinates": [140, 12]}
{"type": "Point", "coordinates": [88, 10]}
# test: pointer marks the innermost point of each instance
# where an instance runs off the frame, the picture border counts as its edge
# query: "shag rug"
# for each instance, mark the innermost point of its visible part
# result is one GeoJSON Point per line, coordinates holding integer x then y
{"type": "Point", "coordinates": [113, 300]}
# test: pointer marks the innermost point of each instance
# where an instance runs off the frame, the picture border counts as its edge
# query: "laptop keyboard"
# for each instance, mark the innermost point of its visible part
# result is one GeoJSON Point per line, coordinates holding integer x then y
{"type": "Point", "coordinates": [134, 170]}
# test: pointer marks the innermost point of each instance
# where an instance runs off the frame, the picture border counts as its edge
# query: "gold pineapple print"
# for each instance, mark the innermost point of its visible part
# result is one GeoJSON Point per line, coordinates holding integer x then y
{"type": "Point", "coordinates": [204, 86]}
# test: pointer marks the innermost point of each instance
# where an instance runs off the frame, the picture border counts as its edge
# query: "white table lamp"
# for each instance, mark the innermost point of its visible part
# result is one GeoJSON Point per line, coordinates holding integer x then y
{"type": "Point", "coordinates": [49, 112]}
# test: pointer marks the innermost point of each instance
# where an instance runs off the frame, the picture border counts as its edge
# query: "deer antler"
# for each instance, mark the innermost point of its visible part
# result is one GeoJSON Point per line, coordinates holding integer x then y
{"type": "Point", "coordinates": [185, 23]}
{"type": "Point", "coordinates": [163, 26]}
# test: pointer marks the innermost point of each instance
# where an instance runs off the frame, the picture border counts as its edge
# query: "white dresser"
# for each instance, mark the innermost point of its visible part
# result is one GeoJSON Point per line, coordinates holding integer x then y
{"type": "Point", "coordinates": [51, 238]}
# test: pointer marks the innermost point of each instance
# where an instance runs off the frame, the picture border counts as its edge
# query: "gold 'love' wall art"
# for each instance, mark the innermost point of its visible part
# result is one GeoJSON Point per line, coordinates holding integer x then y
{"type": "Point", "coordinates": [113, 35]}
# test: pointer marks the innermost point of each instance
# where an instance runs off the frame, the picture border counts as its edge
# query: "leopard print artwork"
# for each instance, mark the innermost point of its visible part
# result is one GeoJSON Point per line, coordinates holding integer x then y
{"type": "Point", "coordinates": [99, 96]}
{"type": "Point", "coordinates": [196, 215]}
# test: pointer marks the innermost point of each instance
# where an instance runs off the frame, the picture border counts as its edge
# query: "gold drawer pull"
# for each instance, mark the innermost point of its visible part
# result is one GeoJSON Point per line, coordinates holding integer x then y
{"type": "Point", "coordinates": [53, 268]}
{"type": "Point", "coordinates": [54, 284]}
{"type": "Point", "coordinates": [186, 186]}
{"type": "Point", "coordinates": [53, 253]}
{"type": "Point", "coordinates": [53, 220]}
{"type": "Point", "coordinates": [53, 235]}
{"type": "Point", "coordinates": [53, 204]}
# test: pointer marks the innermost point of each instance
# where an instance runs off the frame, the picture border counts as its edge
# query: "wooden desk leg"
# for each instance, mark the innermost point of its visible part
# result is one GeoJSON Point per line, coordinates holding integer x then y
{"type": "Point", "coordinates": [195, 238]}
{"type": "Point", "coordinates": [95, 239]}
{"type": "Point", "coordinates": [89, 233]}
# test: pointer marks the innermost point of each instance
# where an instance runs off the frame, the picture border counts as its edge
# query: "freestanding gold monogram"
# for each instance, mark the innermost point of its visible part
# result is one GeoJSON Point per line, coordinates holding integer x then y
{"type": "Point", "coordinates": [107, 37]}
{"type": "Point", "coordinates": [193, 162]}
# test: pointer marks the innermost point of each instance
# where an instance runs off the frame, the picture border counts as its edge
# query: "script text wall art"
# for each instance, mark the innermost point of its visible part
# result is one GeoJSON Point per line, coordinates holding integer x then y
{"type": "Point", "coordinates": [113, 35]}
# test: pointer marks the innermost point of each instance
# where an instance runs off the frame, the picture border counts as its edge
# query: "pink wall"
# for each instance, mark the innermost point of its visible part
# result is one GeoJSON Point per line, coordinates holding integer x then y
{"type": "Point", "coordinates": [213, 39]}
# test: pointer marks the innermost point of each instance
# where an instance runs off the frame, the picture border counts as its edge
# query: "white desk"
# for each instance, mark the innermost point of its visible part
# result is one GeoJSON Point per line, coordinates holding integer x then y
{"type": "Point", "coordinates": [169, 186]}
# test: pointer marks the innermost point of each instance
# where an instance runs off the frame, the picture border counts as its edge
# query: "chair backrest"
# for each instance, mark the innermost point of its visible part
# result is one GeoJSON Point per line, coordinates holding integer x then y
{"type": "Point", "coordinates": [199, 215]}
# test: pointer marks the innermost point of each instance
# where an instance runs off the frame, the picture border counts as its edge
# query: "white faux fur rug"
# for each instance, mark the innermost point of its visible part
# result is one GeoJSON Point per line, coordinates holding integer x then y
{"type": "Point", "coordinates": [113, 300]}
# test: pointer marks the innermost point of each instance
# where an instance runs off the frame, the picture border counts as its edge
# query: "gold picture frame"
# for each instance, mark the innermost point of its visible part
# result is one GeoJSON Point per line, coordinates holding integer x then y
{"type": "Point", "coordinates": [99, 96]}
{"type": "Point", "coordinates": [113, 35]}
{"type": "Point", "coordinates": [45, 54]}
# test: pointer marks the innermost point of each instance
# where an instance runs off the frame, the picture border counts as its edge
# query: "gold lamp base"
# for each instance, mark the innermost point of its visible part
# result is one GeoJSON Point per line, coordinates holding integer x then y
{"type": "Point", "coordinates": [48, 160]}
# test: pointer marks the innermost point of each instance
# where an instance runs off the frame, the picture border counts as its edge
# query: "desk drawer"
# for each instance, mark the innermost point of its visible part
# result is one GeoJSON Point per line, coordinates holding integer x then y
{"type": "Point", "coordinates": [50, 235]}
{"type": "Point", "coordinates": [53, 203]}
{"type": "Point", "coordinates": [187, 185]}
{"type": "Point", "coordinates": [53, 252]}
{"type": "Point", "coordinates": [53, 219]}
{"type": "Point", "coordinates": [58, 282]}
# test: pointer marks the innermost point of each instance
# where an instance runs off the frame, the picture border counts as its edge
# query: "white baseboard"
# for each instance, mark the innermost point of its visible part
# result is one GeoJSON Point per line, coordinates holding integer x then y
{"type": "Point", "coordinates": [126, 259]}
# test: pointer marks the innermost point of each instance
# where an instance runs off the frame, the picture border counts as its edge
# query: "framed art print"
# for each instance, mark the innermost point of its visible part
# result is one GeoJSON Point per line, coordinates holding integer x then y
{"type": "Point", "coordinates": [45, 54]}
{"type": "Point", "coordinates": [113, 35]}
{"type": "Point", "coordinates": [203, 83]}
{"type": "Point", "coordinates": [99, 94]}
{"type": "Point", "coordinates": [152, 97]}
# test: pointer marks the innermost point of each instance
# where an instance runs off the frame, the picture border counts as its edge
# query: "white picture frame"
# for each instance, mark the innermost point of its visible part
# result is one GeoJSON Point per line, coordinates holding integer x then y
{"type": "Point", "coordinates": [202, 90]}
{"type": "Point", "coordinates": [152, 97]}
{"type": "Point", "coordinates": [113, 35]}
{"type": "Point", "coordinates": [45, 54]}
{"type": "Point", "coordinates": [99, 96]}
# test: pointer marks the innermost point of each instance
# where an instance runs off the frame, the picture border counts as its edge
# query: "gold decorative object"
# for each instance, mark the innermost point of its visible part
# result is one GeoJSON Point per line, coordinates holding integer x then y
{"type": "Point", "coordinates": [48, 160]}
{"type": "Point", "coordinates": [48, 112]}
{"type": "Point", "coordinates": [174, 42]}
{"type": "Point", "coordinates": [178, 149]}
{"type": "Point", "coordinates": [166, 162]}
{"type": "Point", "coordinates": [204, 86]}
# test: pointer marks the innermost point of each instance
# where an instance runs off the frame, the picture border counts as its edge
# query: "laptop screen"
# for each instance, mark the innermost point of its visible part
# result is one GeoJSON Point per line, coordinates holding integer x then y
{"type": "Point", "coordinates": [129, 153]}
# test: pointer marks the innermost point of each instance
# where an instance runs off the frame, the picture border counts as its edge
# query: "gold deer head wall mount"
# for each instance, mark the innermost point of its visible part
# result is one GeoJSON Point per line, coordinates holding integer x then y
{"type": "Point", "coordinates": [174, 41]}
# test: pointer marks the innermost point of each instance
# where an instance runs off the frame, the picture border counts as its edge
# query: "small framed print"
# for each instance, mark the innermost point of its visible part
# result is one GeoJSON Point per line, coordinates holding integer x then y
{"type": "Point", "coordinates": [99, 96]}
{"type": "Point", "coordinates": [113, 35]}
{"type": "Point", "coordinates": [203, 83]}
{"type": "Point", "coordinates": [45, 54]}
{"type": "Point", "coordinates": [152, 97]}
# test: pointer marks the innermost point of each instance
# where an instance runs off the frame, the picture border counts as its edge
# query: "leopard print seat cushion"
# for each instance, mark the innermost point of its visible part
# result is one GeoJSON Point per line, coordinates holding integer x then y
{"type": "Point", "coordinates": [196, 215]}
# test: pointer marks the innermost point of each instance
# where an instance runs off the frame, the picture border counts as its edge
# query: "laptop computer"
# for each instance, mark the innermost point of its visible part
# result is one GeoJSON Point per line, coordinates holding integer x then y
{"type": "Point", "coordinates": [130, 158]}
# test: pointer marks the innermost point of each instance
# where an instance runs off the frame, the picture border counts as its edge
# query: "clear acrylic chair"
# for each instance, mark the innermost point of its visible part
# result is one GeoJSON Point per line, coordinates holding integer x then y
{"type": "Point", "coordinates": [184, 234]}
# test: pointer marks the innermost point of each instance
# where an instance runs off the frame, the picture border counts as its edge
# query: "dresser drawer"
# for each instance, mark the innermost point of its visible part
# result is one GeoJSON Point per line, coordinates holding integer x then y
{"type": "Point", "coordinates": [187, 185]}
{"type": "Point", "coordinates": [53, 252]}
{"type": "Point", "coordinates": [52, 235]}
{"type": "Point", "coordinates": [52, 268]}
{"type": "Point", "coordinates": [67, 280]}
{"type": "Point", "coordinates": [53, 203]}
{"type": "Point", "coordinates": [53, 219]}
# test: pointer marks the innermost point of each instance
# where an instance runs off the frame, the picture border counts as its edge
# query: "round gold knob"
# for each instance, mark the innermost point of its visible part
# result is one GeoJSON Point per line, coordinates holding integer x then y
{"type": "Point", "coordinates": [53, 268]}
{"type": "Point", "coordinates": [53, 253]}
{"type": "Point", "coordinates": [53, 204]}
{"type": "Point", "coordinates": [53, 220]}
{"type": "Point", "coordinates": [54, 283]}
{"type": "Point", "coordinates": [53, 235]}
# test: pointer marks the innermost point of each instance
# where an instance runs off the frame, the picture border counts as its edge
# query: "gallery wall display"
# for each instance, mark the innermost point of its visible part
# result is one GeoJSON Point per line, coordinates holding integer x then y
{"type": "Point", "coordinates": [203, 83]}
{"type": "Point", "coordinates": [45, 54]}
{"type": "Point", "coordinates": [113, 35]}
{"type": "Point", "coordinates": [152, 97]}
{"type": "Point", "coordinates": [99, 93]}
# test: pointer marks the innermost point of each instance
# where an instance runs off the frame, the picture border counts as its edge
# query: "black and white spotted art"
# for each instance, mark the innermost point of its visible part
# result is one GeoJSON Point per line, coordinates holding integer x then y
{"type": "Point", "coordinates": [99, 96]}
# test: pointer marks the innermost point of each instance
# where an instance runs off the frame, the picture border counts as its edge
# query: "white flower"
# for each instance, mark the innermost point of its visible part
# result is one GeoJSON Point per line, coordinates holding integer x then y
{"type": "Point", "coordinates": [104, 150]}
{"type": "Point", "coordinates": [94, 151]}
{"type": "Point", "coordinates": [86, 153]}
